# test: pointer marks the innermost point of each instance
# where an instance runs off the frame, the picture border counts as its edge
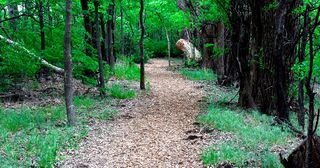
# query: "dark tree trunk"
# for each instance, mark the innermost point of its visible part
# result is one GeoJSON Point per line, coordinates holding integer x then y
{"type": "Point", "coordinates": [41, 22]}
{"type": "Point", "coordinates": [13, 11]}
{"type": "Point", "coordinates": [142, 75]}
{"type": "Point", "coordinates": [103, 43]}
{"type": "Point", "coordinates": [240, 37]}
{"type": "Point", "coordinates": [301, 113]}
{"type": "Point", "coordinates": [98, 46]}
{"type": "Point", "coordinates": [87, 26]}
{"type": "Point", "coordinates": [265, 69]}
{"type": "Point", "coordinates": [208, 34]}
{"type": "Point", "coordinates": [121, 29]}
{"type": "Point", "coordinates": [68, 66]}
{"type": "Point", "coordinates": [110, 35]}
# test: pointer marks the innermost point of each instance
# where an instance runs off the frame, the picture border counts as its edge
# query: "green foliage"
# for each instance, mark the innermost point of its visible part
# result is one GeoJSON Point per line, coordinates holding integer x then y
{"type": "Point", "coordinates": [271, 6]}
{"type": "Point", "coordinates": [158, 48]}
{"type": "Point", "coordinates": [15, 67]}
{"type": "Point", "coordinates": [120, 92]}
{"type": "Point", "coordinates": [226, 152]}
{"type": "Point", "coordinates": [137, 58]}
{"type": "Point", "coordinates": [202, 74]}
{"type": "Point", "coordinates": [127, 70]}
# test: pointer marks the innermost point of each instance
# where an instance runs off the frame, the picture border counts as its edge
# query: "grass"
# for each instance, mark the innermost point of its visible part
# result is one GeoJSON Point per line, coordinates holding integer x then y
{"type": "Point", "coordinates": [126, 70]}
{"type": "Point", "coordinates": [198, 74]}
{"type": "Point", "coordinates": [34, 136]}
{"type": "Point", "coordinates": [253, 134]}
{"type": "Point", "coordinates": [254, 137]}
{"type": "Point", "coordinates": [120, 92]}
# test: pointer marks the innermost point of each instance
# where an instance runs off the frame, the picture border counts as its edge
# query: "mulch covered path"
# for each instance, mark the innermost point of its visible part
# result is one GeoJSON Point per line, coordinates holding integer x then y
{"type": "Point", "coordinates": [152, 131]}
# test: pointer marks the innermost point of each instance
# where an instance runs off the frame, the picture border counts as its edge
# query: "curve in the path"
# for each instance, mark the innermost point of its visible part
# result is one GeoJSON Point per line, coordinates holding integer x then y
{"type": "Point", "coordinates": [154, 134]}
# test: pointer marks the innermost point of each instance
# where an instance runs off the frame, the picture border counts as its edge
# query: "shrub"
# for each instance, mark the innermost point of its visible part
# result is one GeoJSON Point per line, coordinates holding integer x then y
{"type": "Point", "coordinates": [198, 74]}
{"type": "Point", "coordinates": [119, 92]}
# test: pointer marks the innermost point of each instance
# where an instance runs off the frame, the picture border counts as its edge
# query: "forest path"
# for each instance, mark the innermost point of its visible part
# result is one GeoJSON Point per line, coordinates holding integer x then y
{"type": "Point", "coordinates": [152, 131]}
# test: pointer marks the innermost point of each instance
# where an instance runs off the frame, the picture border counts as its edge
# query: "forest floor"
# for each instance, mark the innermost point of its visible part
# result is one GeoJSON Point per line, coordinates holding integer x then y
{"type": "Point", "coordinates": [157, 129]}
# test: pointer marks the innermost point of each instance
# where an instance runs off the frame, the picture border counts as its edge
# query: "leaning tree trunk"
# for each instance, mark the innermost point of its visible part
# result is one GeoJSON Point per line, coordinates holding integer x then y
{"type": "Point", "coordinates": [142, 75]}
{"type": "Point", "coordinates": [68, 66]}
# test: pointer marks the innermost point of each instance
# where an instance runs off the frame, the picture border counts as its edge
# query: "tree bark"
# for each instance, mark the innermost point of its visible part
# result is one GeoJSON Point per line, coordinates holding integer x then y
{"type": "Point", "coordinates": [101, 83]}
{"type": "Point", "coordinates": [87, 26]}
{"type": "Point", "coordinates": [42, 61]}
{"type": "Point", "coordinates": [265, 67]}
{"type": "Point", "coordinates": [169, 46]}
{"type": "Point", "coordinates": [110, 35]}
{"type": "Point", "coordinates": [103, 42]}
{"type": "Point", "coordinates": [142, 73]}
{"type": "Point", "coordinates": [41, 22]}
{"type": "Point", "coordinates": [301, 113]}
{"type": "Point", "coordinates": [121, 29]}
{"type": "Point", "coordinates": [13, 11]}
{"type": "Point", "coordinates": [68, 66]}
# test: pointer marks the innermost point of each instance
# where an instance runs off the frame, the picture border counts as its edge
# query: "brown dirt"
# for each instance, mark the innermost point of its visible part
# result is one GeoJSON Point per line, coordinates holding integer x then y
{"type": "Point", "coordinates": [154, 130]}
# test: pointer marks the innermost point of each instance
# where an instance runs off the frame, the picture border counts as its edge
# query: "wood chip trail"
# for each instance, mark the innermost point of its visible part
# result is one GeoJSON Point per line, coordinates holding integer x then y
{"type": "Point", "coordinates": [152, 132]}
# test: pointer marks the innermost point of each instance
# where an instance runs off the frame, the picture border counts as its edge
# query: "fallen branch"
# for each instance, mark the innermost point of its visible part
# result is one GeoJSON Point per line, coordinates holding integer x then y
{"type": "Point", "coordinates": [43, 62]}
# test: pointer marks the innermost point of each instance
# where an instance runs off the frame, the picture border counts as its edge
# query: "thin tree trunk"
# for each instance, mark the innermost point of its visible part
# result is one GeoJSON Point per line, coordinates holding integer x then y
{"type": "Point", "coordinates": [13, 11]}
{"type": "Point", "coordinates": [110, 36]}
{"type": "Point", "coordinates": [68, 66]}
{"type": "Point", "coordinates": [41, 19]}
{"type": "Point", "coordinates": [121, 29]}
{"type": "Point", "coordinates": [142, 73]}
{"type": "Point", "coordinates": [301, 113]}
{"type": "Point", "coordinates": [310, 161]}
{"type": "Point", "coordinates": [98, 46]}
{"type": "Point", "coordinates": [103, 43]}
{"type": "Point", "coordinates": [169, 46]}
{"type": "Point", "coordinates": [87, 26]}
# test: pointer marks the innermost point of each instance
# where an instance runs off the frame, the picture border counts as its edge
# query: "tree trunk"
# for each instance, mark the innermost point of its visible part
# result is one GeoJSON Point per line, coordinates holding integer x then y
{"type": "Point", "coordinates": [87, 26]}
{"type": "Point", "coordinates": [142, 75]}
{"type": "Point", "coordinates": [169, 46]}
{"type": "Point", "coordinates": [68, 66]}
{"type": "Point", "coordinates": [301, 113]}
{"type": "Point", "coordinates": [265, 68]}
{"type": "Point", "coordinates": [41, 22]}
{"type": "Point", "coordinates": [98, 46]}
{"type": "Point", "coordinates": [240, 25]}
{"type": "Point", "coordinates": [121, 29]}
{"type": "Point", "coordinates": [110, 35]}
{"type": "Point", "coordinates": [103, 43]}
{"type": "Point", "coordinates": [13, 11]}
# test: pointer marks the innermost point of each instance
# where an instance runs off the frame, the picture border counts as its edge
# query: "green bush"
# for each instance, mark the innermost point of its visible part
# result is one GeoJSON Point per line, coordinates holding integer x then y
{"type": "Point", "coordinates": [127, 71]}
{"type": "Point", "coordinates": [15, 67]}
{"type": "Point", "coordinates": [202, 74]}
{"type": "Point", "coordinates": [119, 92]}
{"type": "Point", "coordinates": [159, 48]}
